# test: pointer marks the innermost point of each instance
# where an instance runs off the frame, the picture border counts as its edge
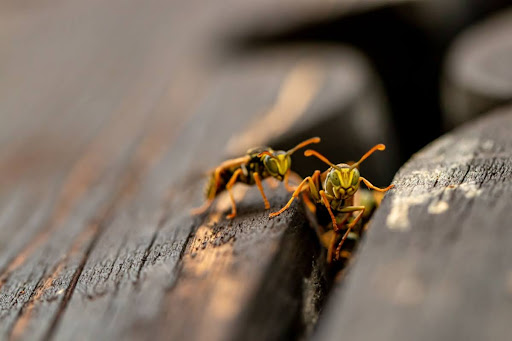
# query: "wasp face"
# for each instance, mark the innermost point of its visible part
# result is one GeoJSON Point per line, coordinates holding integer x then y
{"type": "Point", "coordinates": [342, 183]}
{"type": "Point", "coordinates": [278, 165]}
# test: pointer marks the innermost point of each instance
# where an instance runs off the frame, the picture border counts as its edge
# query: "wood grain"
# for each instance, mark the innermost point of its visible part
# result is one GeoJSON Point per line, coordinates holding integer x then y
{"type": "Point", "coordinates": [436, 261]}
{"type": "Point", "coordinates": [110, 116]}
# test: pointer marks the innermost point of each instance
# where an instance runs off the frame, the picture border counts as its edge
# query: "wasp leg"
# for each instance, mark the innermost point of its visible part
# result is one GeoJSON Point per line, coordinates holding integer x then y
{"type": "Point", "coordinates": [286, 185]}
{"type": "Point", "coordinates": [354, 209]}
{"type": "Point", "coordinates": [369, 185]}
{"type": "Point", "coordinates": [296, 177]}
{"type": "Point", "coordinates": [202, 208]}
{"type": "Point", "coordinates": [312, 188]}
{"type": "Point", "coordinates": [210, 197]}
{"type": "Point", "coordinates": [330, 249]}
{"type": "Point", "coordinates": [309, 204]}
{"type": "Point", "coordinates": [273, 183]}
{"type": "Point", "coordinates": [340, 222]}
{"type": "Point", "coordinates": [314, 184]}
{"type": "Point", "coordinates": [229, 185]}
{"type": "Point", "coordinates": [327, 205]}
{"type": "Point", "coordinates": [352, 224]}
{"type": "Point", "coordinates": [294, 195]}
{"type": "Point", "coordinates": [340, 244]}
{"type": "Point", "coordinates": [257, 179]}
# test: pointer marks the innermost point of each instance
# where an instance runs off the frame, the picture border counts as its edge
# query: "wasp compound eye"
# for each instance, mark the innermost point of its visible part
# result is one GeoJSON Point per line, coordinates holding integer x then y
{"type": "Point", "coordinates": [335, 178]}
{"type": "Point", "coordinates": [355, 177]}
{"type": "Point", "coordinates": [271, 165]}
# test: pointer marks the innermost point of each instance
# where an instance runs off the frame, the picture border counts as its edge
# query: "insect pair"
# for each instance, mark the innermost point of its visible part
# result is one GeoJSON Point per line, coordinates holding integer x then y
{"type": "Point", "coordinates": [334, 189]}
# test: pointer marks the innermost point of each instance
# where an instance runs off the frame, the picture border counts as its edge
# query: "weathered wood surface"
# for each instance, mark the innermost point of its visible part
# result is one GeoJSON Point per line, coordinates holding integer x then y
{"type": "Point", "coordinates": [109, 120]}
{"type": "Point", "coordinates": [477, 75]}
{"type": "Point", "coordinates": [436, 264]}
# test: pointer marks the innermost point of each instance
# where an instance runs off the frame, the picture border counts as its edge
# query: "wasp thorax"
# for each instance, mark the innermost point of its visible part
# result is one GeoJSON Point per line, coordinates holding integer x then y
{"type": "Point", "coordinates": [342, 182]}
{"type": "Point", "coordinates": [278, 164]}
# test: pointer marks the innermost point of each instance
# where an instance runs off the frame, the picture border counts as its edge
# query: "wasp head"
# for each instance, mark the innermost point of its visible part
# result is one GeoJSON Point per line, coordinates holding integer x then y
{"type": "Point", "coordinates": [342, 182]}
{"type": "Point", "coordinates": [277, 163]}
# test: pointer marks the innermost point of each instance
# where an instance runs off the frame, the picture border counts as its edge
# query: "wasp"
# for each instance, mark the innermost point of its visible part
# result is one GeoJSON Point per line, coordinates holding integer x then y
{"type": "Point", "coordinates": [335, 189]}
{"type": "Point", "coordinates": [320, 221]}
{"type": "Point", "coordinates": [258, 164]}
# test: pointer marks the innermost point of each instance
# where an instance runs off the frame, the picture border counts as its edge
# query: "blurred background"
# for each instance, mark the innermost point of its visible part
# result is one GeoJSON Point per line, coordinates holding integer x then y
{"type": "Point", "coordinates": [354, 72]}
{"type": "Point", "coordinates": [101, 97]}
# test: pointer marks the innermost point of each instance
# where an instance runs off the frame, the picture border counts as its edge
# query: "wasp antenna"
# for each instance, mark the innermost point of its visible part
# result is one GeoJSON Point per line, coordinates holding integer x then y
{"type": "Point", "coordinates": [380, 146]}
{"type": "Point", "coordinates": [303, 144]}
{"type": "Point", "coordinates": [311, 152]}
{"type": "Point", "coordinates": [267, 153]}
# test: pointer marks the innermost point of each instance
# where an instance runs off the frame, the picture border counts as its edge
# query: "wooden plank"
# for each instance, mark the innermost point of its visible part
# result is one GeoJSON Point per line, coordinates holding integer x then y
{"type": "Point", "coordinates": [436, 261]}
{"type": "Point", "coordinates": [477, 73]}
{"type": "Point", "coordinates": [73, 111]}
{"type": "Point", "coordinates": [147, 264]}
{"type": "Point", "coordinates": [112, 255]}
{"type": "Point", "coordinates": [110, 168]}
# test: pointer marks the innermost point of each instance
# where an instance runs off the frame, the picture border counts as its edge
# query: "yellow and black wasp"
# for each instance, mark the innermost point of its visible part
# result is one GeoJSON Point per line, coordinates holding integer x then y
{"type": "Point", "coordinates": [258, 164]}
{"type": "Point", "coordinates": [335, 189]}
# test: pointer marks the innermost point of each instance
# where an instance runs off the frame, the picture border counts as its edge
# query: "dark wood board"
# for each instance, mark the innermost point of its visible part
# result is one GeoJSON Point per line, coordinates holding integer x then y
{"type": "Point", "coordinates": [109, 120]}
{"type": "Point", "coordinates": [168, 275]}
{"type": "Point", "coordinates": [436, 261]}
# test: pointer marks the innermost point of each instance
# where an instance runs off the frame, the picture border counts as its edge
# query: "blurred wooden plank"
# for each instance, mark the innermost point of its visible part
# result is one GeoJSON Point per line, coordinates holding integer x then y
{"type": "Point", "coordinates": [335, 95]}
{"type": "Point", "coordinates": [400, 38]}
{"type": "Point", "coordinates": [104, 159]}
{"type": "Point", "coordinates": [116, 254]}
{"type": "Point", "coordinates": [436, 261]}
{"type": "Point", "coordinates": [77, 106]}
{"type": "Point", "coordinates": [477, 74]}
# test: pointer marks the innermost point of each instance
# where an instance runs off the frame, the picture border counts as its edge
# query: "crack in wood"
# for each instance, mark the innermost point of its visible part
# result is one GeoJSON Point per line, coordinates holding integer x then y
{"type": "Point", "coordinates": [94, 231]}
{"type": "Point", "coordinates": [14, 332]}
{"type": "Point", "coordinates": [107, 276]}
{"type": "Point", "coordinates": [72, 285]}
{"type": "Point", "coordinates": [85, 171]}
{"type": "Point", "coordinates": [160, 223]}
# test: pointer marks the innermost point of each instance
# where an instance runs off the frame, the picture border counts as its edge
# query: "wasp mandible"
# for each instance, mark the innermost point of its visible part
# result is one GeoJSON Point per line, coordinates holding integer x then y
{"type": "Point", "coordinates": [258, 164]}
{"type": "Point", "coordinates": [335, 189]}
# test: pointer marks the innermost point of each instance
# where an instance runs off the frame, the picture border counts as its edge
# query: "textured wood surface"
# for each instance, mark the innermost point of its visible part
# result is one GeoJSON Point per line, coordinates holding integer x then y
{"type": "Point", "coordinates": [436, 261]}
{"type": "Point", "coordinates": [478, 73]}
{"type": "Point", "coordinates": [110, 116]}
